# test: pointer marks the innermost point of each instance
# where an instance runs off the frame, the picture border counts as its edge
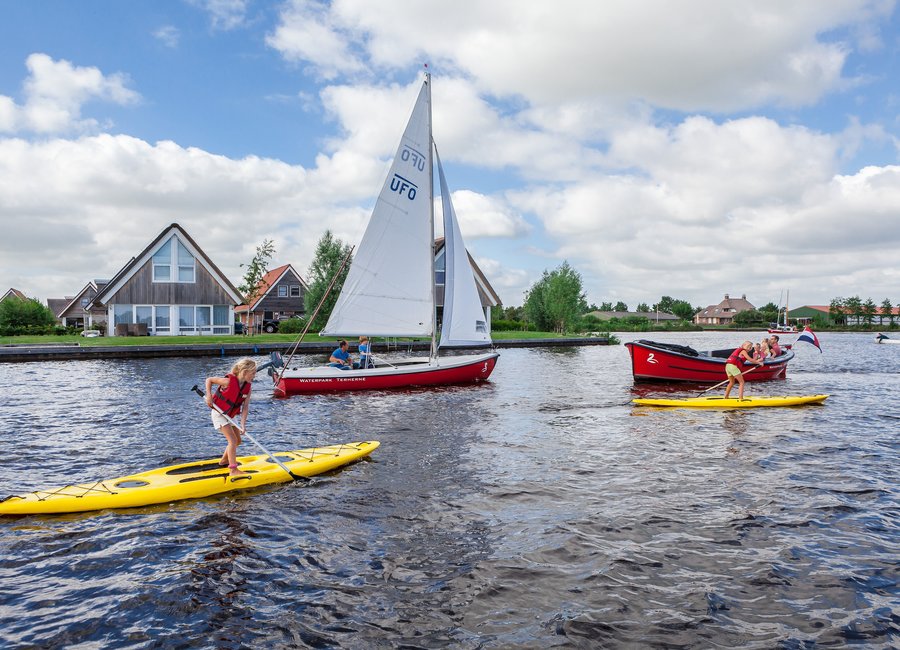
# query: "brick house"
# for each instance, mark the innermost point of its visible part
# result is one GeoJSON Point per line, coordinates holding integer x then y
{"type": "Point", "coordinates": [724, 312]}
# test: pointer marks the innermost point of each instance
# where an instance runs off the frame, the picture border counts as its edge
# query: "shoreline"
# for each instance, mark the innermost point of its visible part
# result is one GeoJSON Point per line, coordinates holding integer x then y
{"type": "Point", "coordinates": [73, 351]}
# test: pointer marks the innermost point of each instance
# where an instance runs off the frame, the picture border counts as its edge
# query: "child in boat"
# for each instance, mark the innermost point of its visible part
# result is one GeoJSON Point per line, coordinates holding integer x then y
{"type": "Point", "coordinates": [231, 398]}
{"type": "Point", "coordinates": [365, 361]}
{"type": "Point", "coordinates": [741, 357]}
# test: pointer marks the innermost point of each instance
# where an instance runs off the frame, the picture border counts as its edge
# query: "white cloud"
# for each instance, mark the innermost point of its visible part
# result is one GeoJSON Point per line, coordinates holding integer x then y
{"type": "Point", "coordinates": [89, 204]}
{"type": "Point", "coordinates": [54, 93]}
{"type": "Point", "coordinates": [224, 14]}
{"type": "Point", "coordinates": [484, 216]}
{"type": "Point", "coordinates": [168, 35]}
{"type": "Point", "coordinates": [687, 56]}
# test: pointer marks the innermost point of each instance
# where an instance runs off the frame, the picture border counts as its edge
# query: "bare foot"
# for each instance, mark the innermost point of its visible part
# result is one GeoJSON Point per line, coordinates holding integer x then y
{"type": "Point", "coordinates": [236, 473]}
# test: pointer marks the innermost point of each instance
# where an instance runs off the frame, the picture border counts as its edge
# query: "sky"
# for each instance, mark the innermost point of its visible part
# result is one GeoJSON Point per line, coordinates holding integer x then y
{"type": "Point", "coordinates": [690, 149]}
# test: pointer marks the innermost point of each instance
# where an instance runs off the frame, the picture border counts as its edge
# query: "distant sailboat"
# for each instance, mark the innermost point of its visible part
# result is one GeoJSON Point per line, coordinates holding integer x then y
{"type": "Point", "coordinates": [782, 326]}
{"type": "Point", "coordinates": [390, 287]}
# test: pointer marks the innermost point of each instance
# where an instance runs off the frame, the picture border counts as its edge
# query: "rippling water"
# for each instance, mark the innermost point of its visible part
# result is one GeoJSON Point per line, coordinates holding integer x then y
{"type": "Point", "coordinates": [539, 510]}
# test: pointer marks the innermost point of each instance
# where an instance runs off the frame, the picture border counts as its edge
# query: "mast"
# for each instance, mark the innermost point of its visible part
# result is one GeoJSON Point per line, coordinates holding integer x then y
{"type": "Point", "coordinates": [434, 349]}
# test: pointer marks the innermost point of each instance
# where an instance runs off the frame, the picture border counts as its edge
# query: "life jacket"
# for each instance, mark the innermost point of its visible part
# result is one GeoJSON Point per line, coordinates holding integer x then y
{"type": "Point", "coordinates": [232, 397]}
{"type": "Point", "coordinates": [735, 358]}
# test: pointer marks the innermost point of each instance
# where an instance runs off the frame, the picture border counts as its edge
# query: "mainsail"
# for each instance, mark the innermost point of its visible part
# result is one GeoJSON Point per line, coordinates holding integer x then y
{"type": "Point", "coordinates": [389, 289]}
{"type": "Point", "coordinates": [463, 321]}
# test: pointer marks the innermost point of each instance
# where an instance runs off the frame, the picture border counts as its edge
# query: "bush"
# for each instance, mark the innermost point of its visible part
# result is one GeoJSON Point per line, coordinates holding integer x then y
{"type": "Point", "coordinates": [511, 326]}
{"type": "Point", "coordinates": [293, 325]}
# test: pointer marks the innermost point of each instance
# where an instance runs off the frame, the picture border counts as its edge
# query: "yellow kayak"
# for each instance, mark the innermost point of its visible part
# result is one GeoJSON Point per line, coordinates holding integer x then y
{"type": "Point", "coordinates": [186, 481]}
{"type": "Point", "coordinates": [733, 402]}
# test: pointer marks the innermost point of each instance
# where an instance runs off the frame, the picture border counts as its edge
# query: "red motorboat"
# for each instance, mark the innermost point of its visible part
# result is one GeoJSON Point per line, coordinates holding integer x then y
{"type": "Point", "coordinates": [652, 361]}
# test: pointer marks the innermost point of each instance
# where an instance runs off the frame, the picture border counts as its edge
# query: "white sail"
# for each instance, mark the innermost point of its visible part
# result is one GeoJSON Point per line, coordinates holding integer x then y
{"type": "Point", "coordinates": [463, 320]}
{"type": "Point", "coordinates": [389, 289]}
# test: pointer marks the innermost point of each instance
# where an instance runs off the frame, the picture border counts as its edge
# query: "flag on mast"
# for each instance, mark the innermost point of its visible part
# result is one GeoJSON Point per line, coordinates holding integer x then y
{"type": "Point", "coordinates": [810, 337]}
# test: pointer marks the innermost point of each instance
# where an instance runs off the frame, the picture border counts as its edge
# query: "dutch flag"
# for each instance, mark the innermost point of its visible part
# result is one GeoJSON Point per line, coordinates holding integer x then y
{"type": "Point", "coordinates": [810, 337]}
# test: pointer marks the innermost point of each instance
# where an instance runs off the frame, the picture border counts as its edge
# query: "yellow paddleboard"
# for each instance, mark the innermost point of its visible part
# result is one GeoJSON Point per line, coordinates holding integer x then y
{"type": "Point", "coordinates": [733, 402]}
{"type": "Point", "coordinates": [186, 481]}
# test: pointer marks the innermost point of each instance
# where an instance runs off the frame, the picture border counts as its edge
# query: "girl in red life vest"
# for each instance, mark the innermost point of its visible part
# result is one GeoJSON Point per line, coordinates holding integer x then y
{"type": "Point", "coordinates": [739, 358]}
{"type": "Point", "coordinates": [231, 398]}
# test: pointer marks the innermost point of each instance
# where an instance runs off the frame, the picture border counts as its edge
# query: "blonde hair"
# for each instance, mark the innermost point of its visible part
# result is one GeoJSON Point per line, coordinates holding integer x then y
{"type": "Point", "coordinates": [243, 365]}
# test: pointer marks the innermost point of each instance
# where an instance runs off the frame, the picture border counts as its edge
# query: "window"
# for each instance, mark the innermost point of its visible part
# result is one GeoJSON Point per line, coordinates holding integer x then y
{"type": "Point", "coordinates": [144, 314]}
{"type": "Point", "coordinates": [295, 291]}
{"type": "Point", "coordinates": [162, 263]}
{"type": "Point", "coordinates": [185, 264]}
{"type": "Point", "coordinates": [123, 315]}
{"type": "Point", "coordinates": [282, 291]}
{"type": "Point", "coordinates": [220, 320]}
{"type": "Point", "coordinates": [84, 303]}
{"type": "Point", "coordinates": [439, 269]}
{"type": "Point", "coordinates": [204, 319]}
{"type": "Point", "coordinates": [162, 319]}
{"type": "Point", "coordinates": [177, 257]}
{"type": "Point", "coordinates": [186, 318]}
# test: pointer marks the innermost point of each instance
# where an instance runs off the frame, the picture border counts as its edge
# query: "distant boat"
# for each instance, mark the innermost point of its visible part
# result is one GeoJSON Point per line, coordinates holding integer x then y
{"type": "Point", "coordinates": [652, 361]}
{"type": "Point", "coordinates": [390, 287]}
{"type": "Point", "coordinates": [881, 338]}
{"type": "Point", "coordinates": [782, 327]}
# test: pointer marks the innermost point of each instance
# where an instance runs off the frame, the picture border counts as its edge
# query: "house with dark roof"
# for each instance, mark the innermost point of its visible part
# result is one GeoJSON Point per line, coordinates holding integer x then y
{"type": "Point", "coordinates": [279, 295]}
{"type": "Point", "coordinates": [13, 293]}
{"type": "Point", "coordinates": [170, 288]}
{"type": "Point", "coordinates": [722, 313]}
{"type": "Point", "coordinates": [72, 311]}
{"type": "Point", "coordinates": [486, 293]}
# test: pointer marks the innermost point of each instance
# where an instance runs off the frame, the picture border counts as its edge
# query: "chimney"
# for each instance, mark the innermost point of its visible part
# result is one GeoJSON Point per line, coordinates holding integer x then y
{"type": "Point", "coordinates": [726, 296]}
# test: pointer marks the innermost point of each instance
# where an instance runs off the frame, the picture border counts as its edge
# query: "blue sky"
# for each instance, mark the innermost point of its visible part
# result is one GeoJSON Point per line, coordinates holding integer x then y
{"type": "Point", "coordinates": [687, 149]}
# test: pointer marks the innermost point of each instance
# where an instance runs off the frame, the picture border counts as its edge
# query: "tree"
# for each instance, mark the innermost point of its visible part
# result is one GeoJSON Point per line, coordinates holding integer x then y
{"type": "Point", "coordinates": [683, 309]}
{"type": "Point", "coordinates": [606, 306]}
{"type": "Point", "coordinates": [887, 309]}
{"type": "Point", "coordinates": [256, 270]}
{"type": "Point", "coordinates": [868, 311]}
{"type": "Point", "coordinates": [19, 316]}
{"type": "Point", "coordinates": [837, 311]}
{"type": "Point", "coordinates": [330, 254]}
{"type": "Point", "coordinates": [643, 307]}
{"type": "Point", "coordinates": [621, 306]}
{"type": "Point", "coordinates": [854, 307]}
{"type": "Point", "coordinates": [556, 301]}
{"type": "Point", "coordinates": [749, 317]}
{"type": "Point", "coordinates": [770, 312]}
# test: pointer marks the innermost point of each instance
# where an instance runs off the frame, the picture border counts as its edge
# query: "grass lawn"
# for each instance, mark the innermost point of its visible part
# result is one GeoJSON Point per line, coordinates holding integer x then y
{"type": "Point", "coordinates": [196, 340]}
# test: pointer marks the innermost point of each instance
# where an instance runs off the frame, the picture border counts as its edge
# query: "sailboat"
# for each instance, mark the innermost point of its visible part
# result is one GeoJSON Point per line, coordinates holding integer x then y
{"type": "Point", "coordinates": [782, 327]}
{"type": "Point", "coordinates": [390, 287]}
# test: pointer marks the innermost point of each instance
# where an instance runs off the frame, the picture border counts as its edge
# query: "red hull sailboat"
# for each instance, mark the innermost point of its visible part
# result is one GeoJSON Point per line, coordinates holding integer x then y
{"type": "Point", "coordinates": [652, 361]}
{"type": "Point", "coordinates": [390, 289]}
{"type": "Point", "coordinates": [469, 369]}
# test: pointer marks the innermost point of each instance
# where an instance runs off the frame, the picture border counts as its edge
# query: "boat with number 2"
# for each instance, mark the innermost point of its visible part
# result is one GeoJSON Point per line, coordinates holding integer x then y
{"type": "Point", "coordinates": [652, 361]}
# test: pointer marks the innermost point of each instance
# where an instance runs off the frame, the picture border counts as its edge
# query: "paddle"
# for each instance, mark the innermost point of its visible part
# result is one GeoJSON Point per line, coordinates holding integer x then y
{"type": "Point", "coordinates": [200, 392]}
{"type": "Point", "coordinates": [722, 383]}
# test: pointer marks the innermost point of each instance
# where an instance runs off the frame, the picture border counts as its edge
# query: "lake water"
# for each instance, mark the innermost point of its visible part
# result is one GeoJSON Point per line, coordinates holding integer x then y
{"type": "Point", "coordinates": [539, 510]}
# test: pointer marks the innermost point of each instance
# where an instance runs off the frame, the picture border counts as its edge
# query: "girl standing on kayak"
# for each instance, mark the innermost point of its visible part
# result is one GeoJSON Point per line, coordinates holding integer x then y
{"type": "Point", "coordinates": [231, 399]}
{"type": "Point", "coordinates": [740, 357]}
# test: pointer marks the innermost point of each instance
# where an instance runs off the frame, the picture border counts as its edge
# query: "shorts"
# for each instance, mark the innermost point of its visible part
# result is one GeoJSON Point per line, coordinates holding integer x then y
{"type": "Point", "coordinates": [732, 370]}
{"type": "Point", "coordinates": [218, 419]}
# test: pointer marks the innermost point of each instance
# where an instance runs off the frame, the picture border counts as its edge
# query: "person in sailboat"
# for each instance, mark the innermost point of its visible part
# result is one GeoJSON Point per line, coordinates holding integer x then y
{"type": "Point", "coordinates": [365, 359]}
{"type": "Point", "coordinates": [341, 358]}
